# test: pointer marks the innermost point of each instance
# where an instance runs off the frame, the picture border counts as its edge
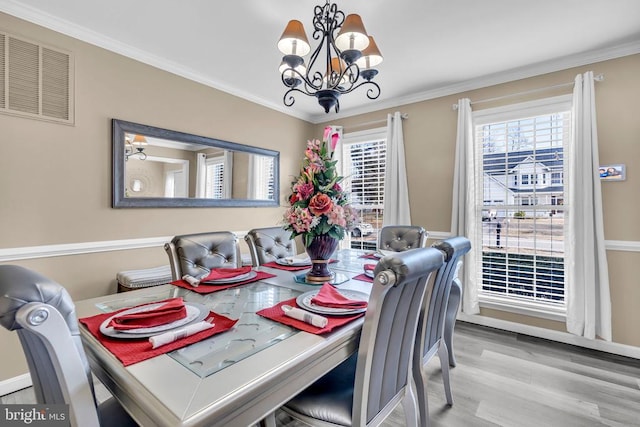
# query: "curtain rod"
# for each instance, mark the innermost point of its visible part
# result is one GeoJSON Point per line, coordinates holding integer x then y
{"type": "Point", "coordinates": [375, 122]}
{"type": "Point", "coordinates": [598, 78]}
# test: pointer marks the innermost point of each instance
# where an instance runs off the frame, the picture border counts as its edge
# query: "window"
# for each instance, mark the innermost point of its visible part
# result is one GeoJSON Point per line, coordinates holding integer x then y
{"type": "Point", "coordinates": [522, 259]}
{"type": "Point", "coordinates": [261, 177]}
{"type": "Point", "coordinates": [214, 185]}
{"type": "Point", "coordinates": [362, 160]}
{"type": "Point", "coordinates": [174, 183]}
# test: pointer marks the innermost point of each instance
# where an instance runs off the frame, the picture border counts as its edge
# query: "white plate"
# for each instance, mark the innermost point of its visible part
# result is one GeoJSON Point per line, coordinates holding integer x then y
{"type": "Point", "coordinates": [195, 313]}
{"type": "Point", "coordinates": [304, 301]}
{"type": "Point", "coordinates": [229, 280]}
{"type": "Point", "coordinates": [294, 262]}
{"type": "Point", "coordinates": [369, 273]}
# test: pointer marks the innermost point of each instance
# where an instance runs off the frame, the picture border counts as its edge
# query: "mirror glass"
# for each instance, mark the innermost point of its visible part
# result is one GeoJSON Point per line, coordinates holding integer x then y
{"type": "Point", "coordinates": [154, 167]}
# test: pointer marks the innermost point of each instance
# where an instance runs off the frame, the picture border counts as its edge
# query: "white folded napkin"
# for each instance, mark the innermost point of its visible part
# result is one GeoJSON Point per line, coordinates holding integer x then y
{"type": "Point", "coordinates": [191, 280]}
{"type": "Point", "coordinates": [298, 259]}
{"type": "Point", "coordinates": [305, 316]}
{"type": "Point", "coordinates": [176, 334]}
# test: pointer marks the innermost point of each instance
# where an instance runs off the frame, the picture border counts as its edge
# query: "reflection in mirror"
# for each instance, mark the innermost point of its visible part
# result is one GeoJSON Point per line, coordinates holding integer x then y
{"type": "Point", "coordinates": [156, 167]}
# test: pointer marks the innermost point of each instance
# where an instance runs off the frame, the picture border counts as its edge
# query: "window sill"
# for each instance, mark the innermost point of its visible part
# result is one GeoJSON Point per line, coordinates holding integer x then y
{"type": "Point", "coordinates": [523, 307]}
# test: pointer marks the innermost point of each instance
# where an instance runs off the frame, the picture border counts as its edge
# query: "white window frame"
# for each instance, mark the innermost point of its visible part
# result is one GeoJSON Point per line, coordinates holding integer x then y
{"type": "Point", "coordinates": [503, 114]}
{"type": "Point", "coordinates": [260, 185]}
{"type": "Point", "coordinates": [351, 138]}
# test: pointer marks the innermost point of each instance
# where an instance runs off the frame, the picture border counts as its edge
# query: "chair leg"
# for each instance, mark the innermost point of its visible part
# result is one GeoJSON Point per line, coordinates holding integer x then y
{"type": "Point", "coordinates": [443, 354]}
{"type": "Point", "coordinates": [411, 414]}
{"type": "Point", "coordinates": [420, 384]}
{"type": "Point", "coordinates": [453, 304]}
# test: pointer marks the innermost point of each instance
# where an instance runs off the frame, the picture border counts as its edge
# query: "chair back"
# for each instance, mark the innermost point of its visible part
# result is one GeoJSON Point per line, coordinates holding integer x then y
{"type": "Point", "coordinates": [389, 332]}
{"type": "Point", "coordinates": [43, 314]}
{"type": "Point", "coordinates": [400, 238]}
{"type": "Point", "coordinates": [269, 244]}
{"type": "Point", "coordinates": [433, 321]}
{"type": "Point", "coordinates": [197, 254]}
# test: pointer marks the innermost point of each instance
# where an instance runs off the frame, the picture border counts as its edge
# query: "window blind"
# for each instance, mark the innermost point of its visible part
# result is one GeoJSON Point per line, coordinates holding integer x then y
{"type": "Point", "coordinates": [522, 209]}
{"type": "Point", "coordinates": [364, 169]}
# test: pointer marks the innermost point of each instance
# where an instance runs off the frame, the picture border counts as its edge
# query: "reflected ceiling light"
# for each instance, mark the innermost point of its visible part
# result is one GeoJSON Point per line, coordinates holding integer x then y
{"type": "Point", "coordinates": [134, 145]}
{"type": "Point", "coordinates": [345, 52]}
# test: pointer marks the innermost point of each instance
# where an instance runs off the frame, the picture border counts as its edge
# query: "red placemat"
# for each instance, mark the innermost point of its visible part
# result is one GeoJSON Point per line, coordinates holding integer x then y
{"type": "Point", "coordinates": [275, 313]}
{"type": "Point", "coordinates": [363, 277]}
{"type": "Point", "coordinates": [130, 351]}
{"type": "Point", "coordinates": [369, 256]}
{"type": "Point", "coordinates": [207, 289]}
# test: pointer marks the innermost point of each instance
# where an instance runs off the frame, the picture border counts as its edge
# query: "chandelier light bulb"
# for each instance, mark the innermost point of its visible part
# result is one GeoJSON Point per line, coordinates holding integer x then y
{"type": "Point", "coordinates": [336, 65]}
{"type": "Point", "coordinates": [294, 40]}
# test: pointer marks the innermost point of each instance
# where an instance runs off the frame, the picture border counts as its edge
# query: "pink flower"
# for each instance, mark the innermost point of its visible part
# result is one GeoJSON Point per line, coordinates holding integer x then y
{"type": "Point", "coordinates": [334, 140]}
{"type": "Point", "coordinates": [320, 204]}
{"type": "Point", "coordinates": [313, 144]}
{"type": "Point", "coordinates": [337, 216]}
{"type": "Point", "coordinates": [299, 218]}
{"type": "Point", "coordinates": [337, 188]}
{"type": "Point", "coordinates": [327, 132]}
{"type": "Point", "coordinates": [305, 191]}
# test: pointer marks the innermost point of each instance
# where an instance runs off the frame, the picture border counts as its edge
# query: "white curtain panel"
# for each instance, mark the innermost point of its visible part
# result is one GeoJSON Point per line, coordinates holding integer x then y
{"type": "Point", "coordinates": [589, 301]}
{"type": "Point", "coordinates": [201, 174]}
{"type": "Point", "coordinates": [396, 190]}
{"type": "Point", "coordinates": [465, 189]}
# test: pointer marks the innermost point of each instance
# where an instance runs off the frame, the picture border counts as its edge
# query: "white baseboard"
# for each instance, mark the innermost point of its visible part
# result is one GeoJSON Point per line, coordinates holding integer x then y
{"type": "Point", "coordinates": [549, 334]}
{"type": "Point", "coordinates": [14, 384]}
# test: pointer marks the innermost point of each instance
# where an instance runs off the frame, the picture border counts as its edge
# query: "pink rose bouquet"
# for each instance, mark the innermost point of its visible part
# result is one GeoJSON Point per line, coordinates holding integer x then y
{"type": "Point", "coordinates": [318, 204]}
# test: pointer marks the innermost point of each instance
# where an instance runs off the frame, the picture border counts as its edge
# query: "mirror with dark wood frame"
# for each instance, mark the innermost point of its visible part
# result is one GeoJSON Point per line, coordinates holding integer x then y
{"type": "Point", "coordinates": [158, 168]}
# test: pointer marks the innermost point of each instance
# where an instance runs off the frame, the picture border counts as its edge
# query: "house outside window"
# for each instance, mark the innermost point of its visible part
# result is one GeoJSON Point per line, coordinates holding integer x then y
{"type": "Point", "coordinates": [521, 260]}
{"type": "Point", "coordinates": [361, 159]}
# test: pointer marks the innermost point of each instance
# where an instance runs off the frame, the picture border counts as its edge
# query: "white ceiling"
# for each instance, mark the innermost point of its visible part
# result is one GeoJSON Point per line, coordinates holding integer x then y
{"type": "Point", "coordinates": [430, 47]}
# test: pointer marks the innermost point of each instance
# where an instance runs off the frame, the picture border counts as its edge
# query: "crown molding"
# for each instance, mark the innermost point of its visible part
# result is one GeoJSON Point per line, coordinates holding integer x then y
{"type": "Point", "coordinates": [558, 64]}
{"type": "Point", "coordinates": [89, 36]}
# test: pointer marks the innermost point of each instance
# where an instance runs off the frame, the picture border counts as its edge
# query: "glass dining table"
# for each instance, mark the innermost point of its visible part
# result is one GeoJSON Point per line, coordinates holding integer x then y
{"type": "Point", "coordinates": [235, 378]}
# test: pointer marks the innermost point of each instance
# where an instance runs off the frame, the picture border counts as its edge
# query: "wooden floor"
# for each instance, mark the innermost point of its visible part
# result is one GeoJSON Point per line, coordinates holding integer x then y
{"type": "Point", "coordinates": [506, 379]}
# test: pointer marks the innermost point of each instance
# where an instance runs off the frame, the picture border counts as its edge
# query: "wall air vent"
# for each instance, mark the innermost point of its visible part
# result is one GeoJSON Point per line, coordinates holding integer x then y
{"type": "Point", "coordinates": [36, 81]}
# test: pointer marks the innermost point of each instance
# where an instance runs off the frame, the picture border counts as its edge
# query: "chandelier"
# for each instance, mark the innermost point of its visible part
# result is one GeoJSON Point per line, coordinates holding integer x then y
{"type": "Point", "coordinates": [340, 63]}
{"type": "Point", "coordinates": [134, 146]}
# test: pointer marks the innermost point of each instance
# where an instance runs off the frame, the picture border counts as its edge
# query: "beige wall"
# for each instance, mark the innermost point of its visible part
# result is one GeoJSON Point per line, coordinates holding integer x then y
{"type": "Point", "coordinates": [430, 133]}
{"type": "Point", "coordinates": [56, 179]}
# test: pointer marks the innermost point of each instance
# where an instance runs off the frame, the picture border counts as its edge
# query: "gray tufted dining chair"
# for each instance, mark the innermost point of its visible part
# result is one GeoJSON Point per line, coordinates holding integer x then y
{"type": "Point", "coordinates": [269, 244]}
{"type": "Point", "coordinates": [437, 320]}
{"type": "Point", "coordinates": [43, 315]}
{"type": "Point", "coordinates": [364, 389]}
{"type": "Point", "coordinates": [400, 238]}
{"type": "Point", "coordinates": [197, 254]}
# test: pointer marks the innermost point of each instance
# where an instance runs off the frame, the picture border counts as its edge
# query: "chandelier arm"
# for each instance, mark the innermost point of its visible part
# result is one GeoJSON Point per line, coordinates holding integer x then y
{"type": "Point", "coordinates": [289, 74]}
{"type": "Point", "coordinates": [372, 93]}
{"type": "Point", "coordinates": [289, 99]}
